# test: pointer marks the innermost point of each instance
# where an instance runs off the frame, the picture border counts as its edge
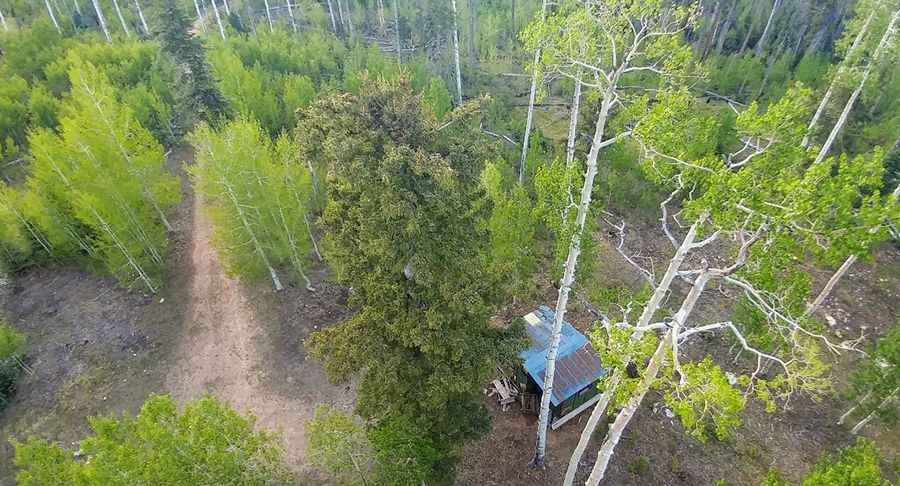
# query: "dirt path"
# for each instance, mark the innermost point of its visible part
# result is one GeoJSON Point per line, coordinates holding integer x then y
{"type": "Point", "coordinates": [223, 350]}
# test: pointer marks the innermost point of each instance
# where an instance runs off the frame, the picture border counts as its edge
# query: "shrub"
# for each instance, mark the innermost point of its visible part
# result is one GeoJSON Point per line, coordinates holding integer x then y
{"type": "Point", "coordinates": [12, 350]}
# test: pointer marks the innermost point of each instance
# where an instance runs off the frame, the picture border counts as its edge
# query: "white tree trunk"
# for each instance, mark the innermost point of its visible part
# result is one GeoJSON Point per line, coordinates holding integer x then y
{"type": "Point", "coordinates": [573, 122]}
{"type": "Point", "coordinates": [140, 12]}
{"type": "Point", "coordinates": [815, 304]}
{"type": "Point", "coordinates": [268, 15]}
{"type": "Point", "coordinates": [121, 18]}
{"type": "Point", "coordinates": [218, 19]}
{"type": "Point", "coordinates": [131, 261]}
{"type": "Point", "coordinates": [627, 413]}
{"type": "Point", "coordinates": [885, 40]}
{"type": "Point", "coordinates": [456, 55]}
{"type": "Point", "coordinates": [199, 15]}
{"type": "Point", "coordinates": [569, 275]}
{"type": "Point", "coordinates": [821, 109]}
{"type": "Point", "coordinates": [341, 16]}
{"type": "Point", "coordinates": [312, 237]}
{"type": "Point", "coordinates": [529, 117]}
{"type": "Point", "coordinates": [659, 293]}
{"type": "Point", "coordinates": [102, 20]}
{"type": "Point", "coordinates": [852, 409]}
{"type": "Point", "coordinates": [77, 7]}
{"type": "Point", "coordinates": [590, 427]}
{"type": "Point", "coordinates": [291, 15]}
{"type": "Point", "coordinates": [331, 14]}
{"type": "Point", "coordinates": [760, 44]}
{"type": "Point", "coordinates": [256, 245]}
{"type": "Point", "coordinates": [3, 21]}
{"type": "Point", "coordinates": [862, 423]}
{"type": "Point", "coordinates": [227, 8]}
{"type": "Point", "coordinates": [350, 18]}
{"type": "Point", "coordinates": [397, 30]}
{"type": "Point", "coordinates": [52, 16]}
{"type": "Point", "coordinates": [381, 15]}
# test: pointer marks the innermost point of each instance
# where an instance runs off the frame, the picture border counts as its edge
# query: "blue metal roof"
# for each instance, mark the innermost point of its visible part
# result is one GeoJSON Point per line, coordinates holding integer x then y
{"type": "Point", "coordinates": [577, 364]}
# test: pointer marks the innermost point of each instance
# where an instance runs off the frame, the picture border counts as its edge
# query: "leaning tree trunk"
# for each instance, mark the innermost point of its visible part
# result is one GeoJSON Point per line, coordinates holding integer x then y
{"type": "Point", "coordinates": [761, 43]}
{"type": "Point", "coordinates": [249, 229]}
{"type": "Point", "coordinates": [140, 12]}
{"type": "Point", "coordinates": [121, 18]}
{"type": "Point", "coordinates": [569, 275]}
{"type": "Point", "coordinates": [535, 71]}
{"type": "Point", "coordinates": [218, 19]}
{"type": "Point", "coordinates": [199, 15]}
{"type": "Point", "coordinates": [101, 19]}
{"type": "Point", "coordinates": [52, 16]}
{"type": "Point", "coordinates": [227, 8]}
{"type": "Point", "coordinates": [627, 413]}
{"type": "Point", "coordinates": [821, 109]}
{"type": "Point", "coordinates": [381, 16]}
{"type": "Point", "coordinates": [659, 293]}
{"type": "Point", "coordinates": [350, 19]}
{"type": "Point", "coordinates": [341, 16]}
{"type": "Point", "coordinates": [862, 423]}
{"type": "Point", "coordinates": [268, 15]}
{"type": "Point", "coordinates": [291, 15]}
{"type": "Point", "coordinates": [456, 55]}
{"type": "Point", "coordinates": [3, 21]}
{"type": "Point", "coordinates": [842, 120]}
{"type": "Point", "coordinates": [473, 48]}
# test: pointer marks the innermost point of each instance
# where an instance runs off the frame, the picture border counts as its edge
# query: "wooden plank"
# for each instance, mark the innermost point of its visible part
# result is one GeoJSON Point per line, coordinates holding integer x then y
{"type": "Point", "coordinates": [581, 408]}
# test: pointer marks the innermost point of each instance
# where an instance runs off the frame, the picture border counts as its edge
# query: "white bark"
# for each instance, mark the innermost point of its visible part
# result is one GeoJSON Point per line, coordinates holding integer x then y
{"type": "Point", "coordinates": [312, 237]}
{"type": "Point", "coordinates": [650, 309]}
{"type": "Point", "coordinates": [842, 120]}
{"type": "Point", "coordinates": [121, 18]}
{"type": "Point", "coordinates": [77, 6]}
{"type": "Point", "coordinates": [140, 12]}
{"type": "Point", "coordinates": [456, 55]}
{"type": "Point", "coordinates": [291, 15]}
{"type": "Point", "coordinates": [569, 275]}
{"type": "Point", "coordinates": [573, 122]}
{"type": "Point", "coordinates": [331, 14]}
{"type": "Point", "coordinates": [102, 20]}
{"type": "Point", "coordinates": [199, 15]}
{"type": "Point", "coordinates": [227, 8]}
{"type": "Point", "coordinates": [627, 413]}
{"type": "Point", "coordinates": [249, 229]}
{"type": "Point", "coordinates": [862, 423]}
{"type": "Point", "coordinates": [397, 29]}
{"type": "Point", "coordinates": [760, 44]}
{"type": "Point", "coordinates": [350, 18]}
{"type": "Point", "coordinates": [218, 19]}
{"type": "Point", "coordinates": [381, 15]}
{"type": "Point", "coordinates": [815, 304]}
{"type": "Point", "coordinates": [341, 16]}
{"type": "Point", "coordinates": [268, 15]}
{"type": "Point", "coordinates": [852, 409]}
{"type": "Point", "coordinates": [528, 118]}
{"type": "Point", "coordinates": [131, 261]}
{"type": "Point", "coordinates": [821, 109]}
{"type": "Point", "coordinates": [590, 427]}
{"type": "Point", "coordinates": [52, 16]}
{"type": "Point", "coordinates": [3, 21]}
{"type": "Point", "coordinates": [531, 95]}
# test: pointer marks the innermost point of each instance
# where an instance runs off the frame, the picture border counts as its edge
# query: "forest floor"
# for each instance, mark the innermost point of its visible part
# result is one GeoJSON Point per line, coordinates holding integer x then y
{"type": "Point", "coordinates": [97, 349]}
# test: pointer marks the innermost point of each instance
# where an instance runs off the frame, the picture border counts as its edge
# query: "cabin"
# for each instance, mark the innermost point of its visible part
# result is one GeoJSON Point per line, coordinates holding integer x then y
{"type": "Point", "coordinates": [577, 368]}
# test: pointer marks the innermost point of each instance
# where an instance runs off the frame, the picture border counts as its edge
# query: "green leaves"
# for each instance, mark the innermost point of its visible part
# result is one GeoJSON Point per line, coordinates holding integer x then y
{"type": "Point", "coordinates": [206, 444]}
{"type": "Point", "coordinates": [705, 401]}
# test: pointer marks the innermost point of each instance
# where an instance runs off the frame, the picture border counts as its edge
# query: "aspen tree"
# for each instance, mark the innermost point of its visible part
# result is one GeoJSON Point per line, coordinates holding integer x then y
{"type": "Point", "coordinates": [52, 16]}
{"type": "Point", "coordinates": [101, 19]}
{"type": "Point", "coordinates": [268, 15]}
{"type": "Point", "coordinates": [761, 43]}
{"type": "Point", "coordinates": [396, 30]}
{"type": "Point", "coordinates": [608, 40]}
{"type": "Point", "coordinates": [291, 15]}
{"type": "Point", "coordinates": [137, 6]}
{"type": "Point", "coordinates": [199, 15]}
{"type": "Point", "coordinates": [532, 93]}
{"type": "Point", "coordinates": [121, 18]}
{"type": "Point", "coordinates": [3, 21]}
{"type": "Point", "coordinates": [227, 8]}
{"type": "Point", "coordinates": [331, 15]}
{"type": "Point", "coordinates": [218, 19]}
{"type": "Point", "coordinates": [456, 54]}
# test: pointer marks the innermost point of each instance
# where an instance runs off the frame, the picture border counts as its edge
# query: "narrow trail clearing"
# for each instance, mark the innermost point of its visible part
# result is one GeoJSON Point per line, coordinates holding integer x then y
{"type": "Point", "coordinates": [224, 348]}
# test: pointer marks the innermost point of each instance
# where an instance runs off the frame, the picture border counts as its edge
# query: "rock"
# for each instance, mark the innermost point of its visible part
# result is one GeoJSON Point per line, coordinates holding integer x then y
{"type": "Point", "coordinates": [831, 320]}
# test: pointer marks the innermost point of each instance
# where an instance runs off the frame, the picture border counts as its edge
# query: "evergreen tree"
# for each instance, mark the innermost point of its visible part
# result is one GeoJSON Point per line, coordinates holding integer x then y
{"type": "Point", "coordinates": [197, 97]}
{"type": "Point", "coordinates": [402, 230]}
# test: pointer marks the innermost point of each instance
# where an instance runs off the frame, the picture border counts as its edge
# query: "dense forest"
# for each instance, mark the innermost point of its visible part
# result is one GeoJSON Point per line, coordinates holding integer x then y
{"type": "Point", "coordinates": [302, 242]}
